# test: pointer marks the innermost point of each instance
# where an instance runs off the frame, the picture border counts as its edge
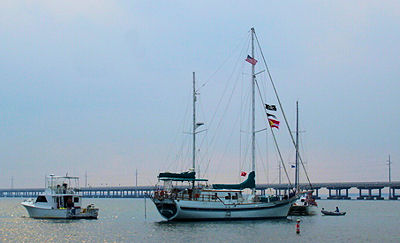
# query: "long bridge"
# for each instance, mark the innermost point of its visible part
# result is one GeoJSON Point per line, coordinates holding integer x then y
{"type": "Point", "coordinates": [337, 190]}
{"type": "Point", "coordinates": [340, 190]}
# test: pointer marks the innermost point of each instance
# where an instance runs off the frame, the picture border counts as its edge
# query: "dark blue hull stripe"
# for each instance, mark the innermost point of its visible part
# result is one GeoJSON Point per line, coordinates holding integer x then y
{"type": "Point", "coordinates": [232, 209]}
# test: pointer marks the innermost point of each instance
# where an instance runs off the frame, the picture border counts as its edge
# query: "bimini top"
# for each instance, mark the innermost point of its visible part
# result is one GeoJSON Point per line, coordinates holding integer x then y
{"type": "Point", "coordinates": [62, 183]}
{"type": "Point", "coordinates": [249, 183]}
{"type": "Point", "coordinates": [184, 176]}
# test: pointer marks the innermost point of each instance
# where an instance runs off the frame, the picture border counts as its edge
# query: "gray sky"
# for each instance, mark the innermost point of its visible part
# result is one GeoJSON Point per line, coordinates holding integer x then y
{"type": "Point", "coordinates": [104, 86]}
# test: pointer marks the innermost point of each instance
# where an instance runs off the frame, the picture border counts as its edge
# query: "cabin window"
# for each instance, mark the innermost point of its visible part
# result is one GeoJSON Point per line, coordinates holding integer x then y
{"type": "Point", "coordinates": [235, 197]}
{"type": "Point", "coordinates": [76, 199]}
{"type": "Point", "coordinates": [228, 197]}
{"type": "Point", "coordinates": [214, 197]}
{"type": "Point", "coordinates": [41, 199]}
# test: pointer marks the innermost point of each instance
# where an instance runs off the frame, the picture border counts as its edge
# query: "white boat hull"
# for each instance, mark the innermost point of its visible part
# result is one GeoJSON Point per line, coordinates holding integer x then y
{"type": "Point", "coordinates": [312, 210]}
{"type": "Point", "coordinates": [51, 213]}
{"type": "Point", "coordinates": [200, 210]}
{"type": "Point", "coordinates": [303, 210]}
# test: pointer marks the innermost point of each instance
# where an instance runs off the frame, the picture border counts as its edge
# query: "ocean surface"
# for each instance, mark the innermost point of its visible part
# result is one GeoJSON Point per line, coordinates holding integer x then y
{"type": "Point", "coordinates": [125, 220]}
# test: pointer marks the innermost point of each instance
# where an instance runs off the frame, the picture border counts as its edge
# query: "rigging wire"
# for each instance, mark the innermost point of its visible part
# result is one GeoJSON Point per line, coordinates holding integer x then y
{"type": "Point", "coordinates": [247, 137]}
{"type": "Point", "coordinates": [260, 156]}
{"type": "Point", "coordinates": [283, 113]}
{"type": "Point", "coordinates": [266, 155]}
{"type": "Point", "coordinates": [219, 123]}
{"type": "Point", "coordinates": [240, 43]}
{"type": "Point", "coordinates": [180, 149]}
{"type": "Point", "coordinates": [273, 135]}
{"type": "Point", "coordinates": [226, 109]}
{"type": "Point", "coordinates": [180, 158]}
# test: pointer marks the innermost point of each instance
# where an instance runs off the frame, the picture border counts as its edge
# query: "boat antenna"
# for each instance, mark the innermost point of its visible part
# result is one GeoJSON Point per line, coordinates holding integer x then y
{"type": "Point", "coordinates": [253, 133]}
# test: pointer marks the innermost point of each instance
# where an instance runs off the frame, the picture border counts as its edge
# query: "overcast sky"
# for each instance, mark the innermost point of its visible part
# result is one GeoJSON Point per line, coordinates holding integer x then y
{"type": "Point", "coordinates": [105, 86]}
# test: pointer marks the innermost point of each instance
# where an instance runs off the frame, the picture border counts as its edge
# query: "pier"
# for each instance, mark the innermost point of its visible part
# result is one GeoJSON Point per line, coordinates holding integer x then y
{"type": "Point", "coordinates": [336, 190]}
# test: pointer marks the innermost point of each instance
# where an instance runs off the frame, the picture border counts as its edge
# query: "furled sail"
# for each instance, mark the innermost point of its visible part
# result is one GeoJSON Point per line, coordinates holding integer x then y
{"type": "Point", "coordinates": [183, 175]}
{"type": "Point", "coordinates": [249, 183]}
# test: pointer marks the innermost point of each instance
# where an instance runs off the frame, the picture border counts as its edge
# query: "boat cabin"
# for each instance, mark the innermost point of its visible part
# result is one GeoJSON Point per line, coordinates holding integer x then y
{"type": "Point", "coordinates": [62, 192]}
{"type": "Point", "coordinates": [174, 188]}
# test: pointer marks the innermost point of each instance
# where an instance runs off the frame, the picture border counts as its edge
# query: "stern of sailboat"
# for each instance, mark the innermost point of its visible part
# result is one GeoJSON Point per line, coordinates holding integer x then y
{"type": "Point", "coordinates": [167, 207]}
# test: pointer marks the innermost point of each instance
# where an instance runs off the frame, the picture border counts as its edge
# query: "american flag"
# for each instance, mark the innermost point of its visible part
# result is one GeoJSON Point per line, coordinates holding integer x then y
{"type": "Point", "coordinates": [251, 60]}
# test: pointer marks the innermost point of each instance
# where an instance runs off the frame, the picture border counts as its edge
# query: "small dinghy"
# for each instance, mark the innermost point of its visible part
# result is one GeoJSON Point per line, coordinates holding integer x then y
{"type": "Point", "coordinates": [330, 213]}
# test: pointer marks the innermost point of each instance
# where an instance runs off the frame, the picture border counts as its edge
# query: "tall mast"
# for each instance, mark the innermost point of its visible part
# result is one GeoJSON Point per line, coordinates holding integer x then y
{"type": "Point", "coordinates": [296, 180]}
{"type": "Point", "coordinates": [253, 123]}
{"type": "Point", "coordinates": [194, 123]}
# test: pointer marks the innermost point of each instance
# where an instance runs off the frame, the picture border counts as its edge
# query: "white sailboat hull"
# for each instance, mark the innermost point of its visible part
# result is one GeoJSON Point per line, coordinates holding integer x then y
{"type": "Point", "coordinates": [200, 210]}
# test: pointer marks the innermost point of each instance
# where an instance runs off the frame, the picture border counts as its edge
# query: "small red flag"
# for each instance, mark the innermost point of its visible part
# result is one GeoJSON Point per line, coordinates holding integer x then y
{"type": "Point", "coordinates": [243, 173]}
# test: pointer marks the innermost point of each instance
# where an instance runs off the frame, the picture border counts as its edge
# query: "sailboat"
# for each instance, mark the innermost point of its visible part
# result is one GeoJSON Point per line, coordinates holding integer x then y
{"type": "Point", "coordinates": [219, 201]}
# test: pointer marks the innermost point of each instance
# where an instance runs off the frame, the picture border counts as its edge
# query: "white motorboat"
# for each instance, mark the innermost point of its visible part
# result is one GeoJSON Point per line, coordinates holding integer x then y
{"type": "Point", "coordinates": [219, 201]}
{"type": "Point", "coordinates": [60, 200]}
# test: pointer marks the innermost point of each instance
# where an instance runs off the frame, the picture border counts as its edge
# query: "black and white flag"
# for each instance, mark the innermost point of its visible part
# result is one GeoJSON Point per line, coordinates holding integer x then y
{"type": "Point", "coordinates": [270, 107]}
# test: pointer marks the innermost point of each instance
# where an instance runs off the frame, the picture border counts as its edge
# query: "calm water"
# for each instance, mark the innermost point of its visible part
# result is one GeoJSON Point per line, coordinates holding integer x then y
{"type": "Point", "coordinates": [123, 220]}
